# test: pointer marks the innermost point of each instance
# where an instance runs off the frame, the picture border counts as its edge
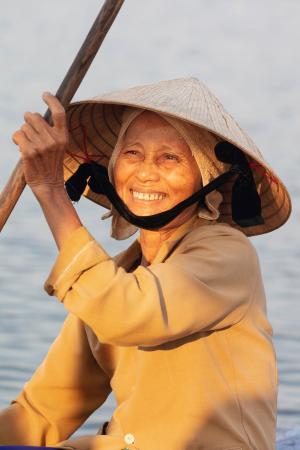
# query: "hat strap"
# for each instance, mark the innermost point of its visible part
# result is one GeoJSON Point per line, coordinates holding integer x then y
{"type": "Point", "coordinates": [246, 207]}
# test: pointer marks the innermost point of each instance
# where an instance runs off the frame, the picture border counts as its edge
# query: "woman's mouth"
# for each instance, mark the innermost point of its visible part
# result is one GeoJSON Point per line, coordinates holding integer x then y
{"type": "Point", "coordinates": [148, 196]}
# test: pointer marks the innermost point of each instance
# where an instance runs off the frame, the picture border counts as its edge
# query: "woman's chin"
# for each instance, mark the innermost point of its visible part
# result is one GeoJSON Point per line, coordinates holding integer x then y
{"type": "Point", "coordinates": [145, 209]}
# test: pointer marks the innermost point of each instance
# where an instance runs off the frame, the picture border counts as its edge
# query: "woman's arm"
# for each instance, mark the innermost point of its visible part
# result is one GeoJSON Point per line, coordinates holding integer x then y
{"type": "Point", "coordinates": [207, 284]}
{"type": "Point", "coordinates": [69, 385]}
{"type": "Point", "coordinates": [43, 148]}
{"type": "Point", "coordinates": [63, 392]}
{"type": "Point", "coordinates": [59, 212]}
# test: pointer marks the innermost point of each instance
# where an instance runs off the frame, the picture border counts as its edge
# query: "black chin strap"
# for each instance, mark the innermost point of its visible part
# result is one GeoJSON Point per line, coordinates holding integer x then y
{"type": "Point", "coordinates": [246, 205]}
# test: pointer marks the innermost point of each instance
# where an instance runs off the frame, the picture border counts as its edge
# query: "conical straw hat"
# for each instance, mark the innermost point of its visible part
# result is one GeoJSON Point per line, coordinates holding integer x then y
{"type": "Point", "coordinates": [94, 125]}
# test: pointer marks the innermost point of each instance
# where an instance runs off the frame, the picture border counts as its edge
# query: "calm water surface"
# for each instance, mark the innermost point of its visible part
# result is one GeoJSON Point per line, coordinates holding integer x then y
{"type": "Point", "coordinates": [245, 51]}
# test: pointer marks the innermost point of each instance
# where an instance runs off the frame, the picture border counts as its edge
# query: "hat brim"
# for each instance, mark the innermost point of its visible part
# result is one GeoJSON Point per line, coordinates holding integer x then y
{"type": "Point", "coordinates": [94, 126]}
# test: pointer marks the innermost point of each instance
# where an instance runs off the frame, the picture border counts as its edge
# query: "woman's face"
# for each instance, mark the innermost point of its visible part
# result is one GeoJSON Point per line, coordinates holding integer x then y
{"type": "Point", "coordinates": [155, 168]}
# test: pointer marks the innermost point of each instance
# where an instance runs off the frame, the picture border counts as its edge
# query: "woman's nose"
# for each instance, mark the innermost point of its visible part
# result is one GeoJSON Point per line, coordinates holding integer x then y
{"type": "Point", "coordinates": [147, 170]}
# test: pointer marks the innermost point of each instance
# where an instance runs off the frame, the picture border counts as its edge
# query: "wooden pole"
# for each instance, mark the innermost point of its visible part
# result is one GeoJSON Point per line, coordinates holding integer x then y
{"type": "Point", "coordinates": [16, 183]}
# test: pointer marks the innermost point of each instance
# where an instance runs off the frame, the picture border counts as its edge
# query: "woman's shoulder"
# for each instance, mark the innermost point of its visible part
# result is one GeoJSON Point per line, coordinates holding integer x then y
{"type": "Point", "coordinates": [206, 229]}
{"type": "Point", "coordinates": [219, 237]}
{"type": "Point", "coordinates": [217, 254]}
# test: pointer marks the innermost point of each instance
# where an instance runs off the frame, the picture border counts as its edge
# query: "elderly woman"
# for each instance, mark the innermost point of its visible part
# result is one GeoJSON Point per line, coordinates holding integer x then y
{"type": "Point", "coordinates": [176, 325]}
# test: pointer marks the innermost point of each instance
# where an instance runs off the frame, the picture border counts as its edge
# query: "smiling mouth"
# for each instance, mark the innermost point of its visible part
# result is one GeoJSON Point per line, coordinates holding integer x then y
{"type": "Point", "coordinates": [147, 196]}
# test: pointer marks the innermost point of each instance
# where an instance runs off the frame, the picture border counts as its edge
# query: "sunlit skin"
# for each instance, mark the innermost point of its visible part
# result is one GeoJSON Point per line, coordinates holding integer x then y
{"type": "Point", "coordinates": [154, 158]}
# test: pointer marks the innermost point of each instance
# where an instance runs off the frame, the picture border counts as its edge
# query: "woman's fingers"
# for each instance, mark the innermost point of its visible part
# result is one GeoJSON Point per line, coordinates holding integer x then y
{"type": "Point", "coordinates": [36, 121]}
{"type": "Point", "coordinates": [57, 110]}
{"type": "Point", "coordinates": [43, 146]}
{"type": "Point", "coordinates": [25, 146]}
{"type": "Point", "coordinates": [19, 138]}
{"type": "Point", "coordinates": [36, 128]}
{"type": "Point", "coordinates": [31, 133]}
{"type": "Point", "coordinates": [38, 139]}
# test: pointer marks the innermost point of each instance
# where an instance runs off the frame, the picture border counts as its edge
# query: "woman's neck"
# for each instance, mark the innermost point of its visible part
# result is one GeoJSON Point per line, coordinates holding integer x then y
{"type": "Point", "coordinates": [151, 241]}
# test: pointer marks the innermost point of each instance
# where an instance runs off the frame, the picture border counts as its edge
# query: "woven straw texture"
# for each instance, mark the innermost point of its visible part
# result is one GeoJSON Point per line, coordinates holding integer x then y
{"type": "Point", "coordinates": [94, 126]}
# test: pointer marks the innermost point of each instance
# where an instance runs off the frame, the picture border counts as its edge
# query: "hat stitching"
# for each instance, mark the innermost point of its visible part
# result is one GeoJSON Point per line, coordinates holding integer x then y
{"type": "Point", "coordinates": [91, 118]}
{"type": "Point", "coordinates": [199, 115]}
{"type": "Point", "coordinates": [74, 137]}
{"type": "Point", "coordinates": [92, 121]}
{"type": "Point", "coordinates": [108, 125]}
{"type": "Point", "coordinates": [265, 173]}
{"type": "Point", "coordinates": [86, 156]}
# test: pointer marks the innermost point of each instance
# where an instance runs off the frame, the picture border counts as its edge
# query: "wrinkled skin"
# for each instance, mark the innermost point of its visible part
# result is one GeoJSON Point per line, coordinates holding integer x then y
{"type": "Point", "coordinates": [154, 157]}
{"type": "Point", "coordinates": [43, 146]}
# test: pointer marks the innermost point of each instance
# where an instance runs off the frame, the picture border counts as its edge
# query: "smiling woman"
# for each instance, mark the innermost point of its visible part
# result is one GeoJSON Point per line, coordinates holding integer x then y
{"type": "Point", "coordinates": [181, 314]}
{"type": "Point", "coordinates": [154, 159]}
{"type": "Point", "coordinates": [154, 171]}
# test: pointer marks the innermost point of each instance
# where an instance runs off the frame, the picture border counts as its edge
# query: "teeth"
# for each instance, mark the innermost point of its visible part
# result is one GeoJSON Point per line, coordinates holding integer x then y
{"type": "Point", "coordinates": [145, 196]}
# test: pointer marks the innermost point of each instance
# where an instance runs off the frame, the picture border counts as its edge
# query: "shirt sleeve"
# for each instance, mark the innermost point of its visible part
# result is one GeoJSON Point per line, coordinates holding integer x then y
{"type": "Point", "coordinates": [208, 286]}
{"type": "Point", "coordinates": [99, 442]}
{"type": "Point", "coordinates": [65, 389]}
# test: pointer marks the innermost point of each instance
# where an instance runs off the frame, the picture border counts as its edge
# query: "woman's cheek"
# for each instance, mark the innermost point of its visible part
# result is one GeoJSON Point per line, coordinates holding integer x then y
{"type": "Point", "coordinates": [120, 174]}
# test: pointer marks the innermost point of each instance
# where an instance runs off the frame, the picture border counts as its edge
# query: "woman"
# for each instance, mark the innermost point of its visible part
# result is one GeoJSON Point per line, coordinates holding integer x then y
{"type": "Point", "coordinates": [176, 325]}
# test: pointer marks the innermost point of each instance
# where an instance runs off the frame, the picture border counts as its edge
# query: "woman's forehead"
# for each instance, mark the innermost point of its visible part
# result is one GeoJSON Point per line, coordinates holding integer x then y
{"type": "Point", "coordinates": [149, 124]}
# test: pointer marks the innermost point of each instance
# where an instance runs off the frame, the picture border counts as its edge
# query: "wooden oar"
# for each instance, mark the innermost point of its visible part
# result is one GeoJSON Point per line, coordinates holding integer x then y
{"type": "Point", "coordinates": [16, 183]}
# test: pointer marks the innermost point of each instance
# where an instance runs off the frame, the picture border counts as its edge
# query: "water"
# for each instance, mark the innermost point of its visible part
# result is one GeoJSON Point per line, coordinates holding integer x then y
{"type": "Point", "coordinates": [246, 52]}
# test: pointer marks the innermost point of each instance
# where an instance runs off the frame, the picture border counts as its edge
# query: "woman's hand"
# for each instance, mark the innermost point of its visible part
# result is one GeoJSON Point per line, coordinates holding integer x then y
{"type": "Point", "coordinates": [43, 147]}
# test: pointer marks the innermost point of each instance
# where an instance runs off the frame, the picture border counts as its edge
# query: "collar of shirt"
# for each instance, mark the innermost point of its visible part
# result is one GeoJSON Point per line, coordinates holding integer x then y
{"type": "Point", "coordinates": [131, 258]}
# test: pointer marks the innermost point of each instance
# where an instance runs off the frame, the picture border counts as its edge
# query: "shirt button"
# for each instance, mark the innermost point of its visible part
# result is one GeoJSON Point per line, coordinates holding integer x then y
{"type": "Point", "coordinates": [129, 438]}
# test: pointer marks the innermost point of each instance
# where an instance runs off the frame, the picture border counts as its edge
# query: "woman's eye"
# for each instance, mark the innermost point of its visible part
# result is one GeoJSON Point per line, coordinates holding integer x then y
{"type": "Point", "coordinates": [171, 157]}
{"type": "Point", "coordinates": [131, 152]}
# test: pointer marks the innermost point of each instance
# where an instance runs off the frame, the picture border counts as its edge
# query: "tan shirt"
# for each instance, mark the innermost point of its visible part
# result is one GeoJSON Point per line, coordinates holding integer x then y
{"type": "Point", "coordinates": [184, 344]}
